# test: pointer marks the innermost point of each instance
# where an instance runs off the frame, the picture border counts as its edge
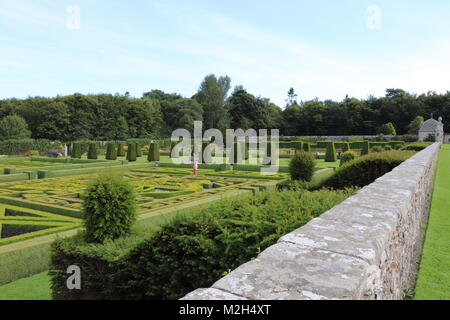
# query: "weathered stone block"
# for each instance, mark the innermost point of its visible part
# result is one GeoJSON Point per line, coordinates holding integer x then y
{"type": "Point", "coordinates": [293, 272]}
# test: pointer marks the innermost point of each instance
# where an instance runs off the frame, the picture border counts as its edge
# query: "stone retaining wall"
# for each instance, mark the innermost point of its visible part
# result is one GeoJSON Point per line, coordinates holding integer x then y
{"type": "Point", "coordinates": [364, 248]}
{"type": "Point", "coordinates": [315, 139]}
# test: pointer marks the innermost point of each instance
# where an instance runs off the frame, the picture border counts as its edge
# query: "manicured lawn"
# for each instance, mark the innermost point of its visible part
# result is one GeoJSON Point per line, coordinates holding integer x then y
{"type": "Point", "coordinates": [433, 281]}
{"type": "Point", "coordinates": [321, 164]}
{"type": "Point", "coordinates": [321, 175]}
{"type": "Point", "coordinates": [36, 287]}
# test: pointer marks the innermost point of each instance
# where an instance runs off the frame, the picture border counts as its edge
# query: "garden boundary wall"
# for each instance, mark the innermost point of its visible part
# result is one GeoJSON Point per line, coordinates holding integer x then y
{"type": "Point", "coordinates": [340, 138]}
{"type": "Point", "coordinates": [366, 248]}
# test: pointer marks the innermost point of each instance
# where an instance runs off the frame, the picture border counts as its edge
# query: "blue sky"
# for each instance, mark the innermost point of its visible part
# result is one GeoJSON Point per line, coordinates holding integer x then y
{"type": "Point", "coordinates": [323, 48]}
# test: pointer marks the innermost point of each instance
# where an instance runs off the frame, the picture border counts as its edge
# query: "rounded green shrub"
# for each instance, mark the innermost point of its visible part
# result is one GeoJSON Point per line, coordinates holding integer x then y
{"type": "Point", "coordinates": [153, 152]}
{"type": "Point", "coordinates": [76, 150]}
{"type": "Point", "coordinates": [120, 150]}
{"type": "Point", "coordinates": [330, 155]}
{"type": "Point", "coordinates": [302, 166]}
{"type": "Point", "coordinates": [377, 149]}
{"type": "Point", "coordinates": [111, 153]}
{"type": "Point", "coordinates": [131, 152]}
{"type": "Point", "coordinates": [364, 170]}
{"type": "Point", "coordinates": [109, 208]}
{"type": "Point", "coordinates": [347, 157]}
{"type": "Point", "coordinates": [92, 152]}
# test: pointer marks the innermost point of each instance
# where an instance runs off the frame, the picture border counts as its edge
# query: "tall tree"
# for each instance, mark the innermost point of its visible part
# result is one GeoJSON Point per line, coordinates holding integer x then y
{"type": "Point", "coordinates": [166, 102]}
{"type": "Point", "coordinates": [14, 127]}
{"type": "Point", "coordinates": [246, 111]}
{"type": "Point", "coordinates": [184, 112]}
{"type": "Point", "coordinates": [415, 125]}
{"type": "Point", "coordinates": [212, 95]}
{"type": "Point", "coordinates": [291, 97]}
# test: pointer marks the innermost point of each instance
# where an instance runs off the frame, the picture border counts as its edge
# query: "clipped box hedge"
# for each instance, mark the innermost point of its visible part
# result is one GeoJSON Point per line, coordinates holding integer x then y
{"type": "Point", "coordinates": [44, 174]}
{"type": "Point", "coordinates": [14, 177]}
{"type": "Point", "coordinates": [41, 207]}
{"type": "Point", "coordinates": [24, 262]}
{"type": "Point", "coordinates": [190, 252]}
{"type": "Point", "coordinates": [63, 167]}
{"type": "Point", "coordinates": [65, 160]}
{"type": "Point", "coordinates": [366, 169]}
{"type": "Point", "coordinates": [13, 147]}
{"type": "Point", "coordinates": [257, 168]}
{"type": "Point", "coordinates": [416, 146]}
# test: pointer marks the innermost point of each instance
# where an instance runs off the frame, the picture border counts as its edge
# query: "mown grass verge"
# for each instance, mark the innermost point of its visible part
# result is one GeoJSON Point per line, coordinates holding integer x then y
{"type": "Point", "coordinates": [433, 282]}
{"type": "Point", "coordinates": [36, 287]}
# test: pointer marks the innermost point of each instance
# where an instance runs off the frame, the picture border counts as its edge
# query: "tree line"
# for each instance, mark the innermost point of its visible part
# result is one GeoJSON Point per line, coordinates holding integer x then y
{"type": "Point", "coordinates": [156, 114]}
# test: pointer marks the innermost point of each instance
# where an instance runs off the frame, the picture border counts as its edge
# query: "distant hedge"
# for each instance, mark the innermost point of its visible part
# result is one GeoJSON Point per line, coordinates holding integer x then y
{"type": "Point", "coordinates": [417, 146]}
{"type": "Point", "coordinates": [14, 147]}
{"type": "Point", "coordinates": [190, 252]}
{"type": "Point", "coordinates": [364, 170]}
{"type": "Point", "coordinates": [153, 152]}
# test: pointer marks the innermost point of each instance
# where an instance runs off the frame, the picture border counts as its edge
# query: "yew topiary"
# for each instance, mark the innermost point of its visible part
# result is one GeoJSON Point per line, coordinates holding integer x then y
{"type": "Point", "coordinates": [111, 153]}
{"type": "Point", "coordinates": [120, 150]}
{"type": "Point", "coordinates": [109, 208]}
{"type": "Point", "coordinates": [76, 150]}
{"type": "Point", "coordinates": [153, 152]}
{"type": "Point", "coordinates": [302, 166]}
{"type": "Point", "coordinates": [330, 155]}
{"type": "Point", "coordinates": [131, 152]}
{"type": "Point", "coordinates": [92, 152]}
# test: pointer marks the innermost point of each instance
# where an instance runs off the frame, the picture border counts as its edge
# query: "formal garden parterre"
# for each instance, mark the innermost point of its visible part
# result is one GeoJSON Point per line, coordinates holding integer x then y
{"type": "Point", "coordinates": [50, 201]}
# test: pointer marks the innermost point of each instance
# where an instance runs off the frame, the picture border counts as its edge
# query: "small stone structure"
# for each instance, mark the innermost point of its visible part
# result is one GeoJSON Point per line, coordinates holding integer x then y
{"type": "Point", "coordinates": [367, 247]}
{"type": "Point", "coordinates": [447, 138]}
{"type": "Point", "coordinates": [432, 127]}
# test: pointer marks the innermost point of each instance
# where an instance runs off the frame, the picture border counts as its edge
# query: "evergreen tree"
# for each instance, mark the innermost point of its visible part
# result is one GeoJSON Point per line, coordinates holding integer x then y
{"type": "Point", "coordinates": [76, 150]}
{"type": "Point", "coordinates": [92, 152]}
{"type": "Point", "coordinates": [120, 149]}
{"type": "Point", "coordinates": [153, 152]}
{"type": "Point", "coordinates": [131, 152]}
{"type": "Point", "coordinates": [111, 153]}
{"type": "Point", "coordinates": [330, 155]}
{"type": "Point", "coordinates": [138, 150]}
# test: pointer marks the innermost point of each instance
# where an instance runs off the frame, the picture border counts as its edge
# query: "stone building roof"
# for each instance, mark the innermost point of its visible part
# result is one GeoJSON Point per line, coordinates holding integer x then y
{"type": "Point", "coordinates": [431, 125]}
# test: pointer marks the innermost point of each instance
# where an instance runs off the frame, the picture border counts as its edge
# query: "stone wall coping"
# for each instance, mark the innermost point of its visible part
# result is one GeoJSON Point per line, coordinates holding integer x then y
{"type": "Point", "coordinates": [347, 252]}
